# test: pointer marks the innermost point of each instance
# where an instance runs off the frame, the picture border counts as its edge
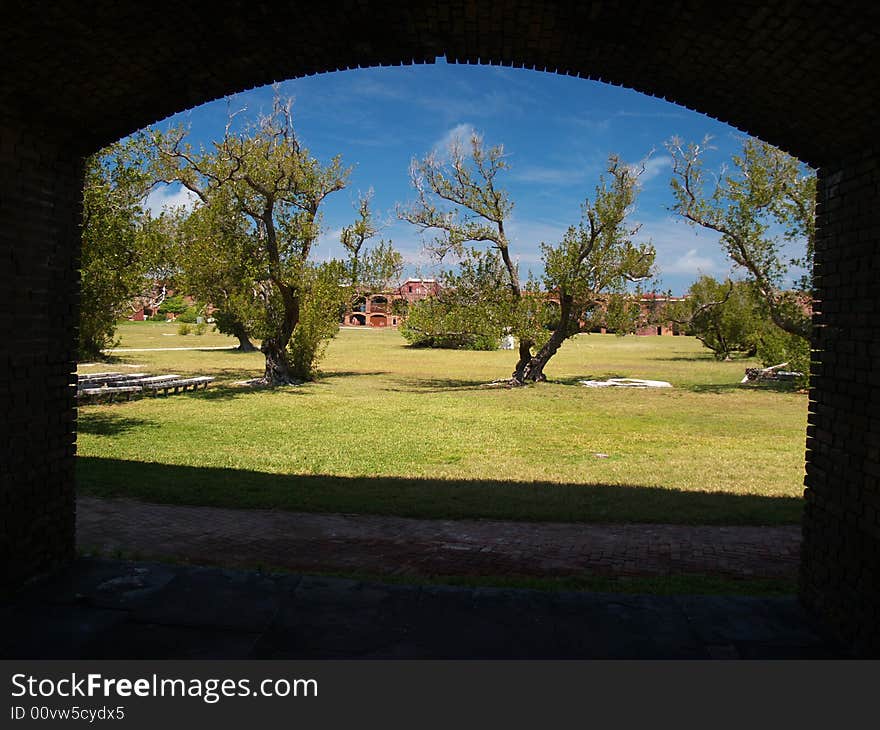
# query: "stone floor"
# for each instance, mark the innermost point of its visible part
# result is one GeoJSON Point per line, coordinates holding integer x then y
{"type": "Point", "coordinates": [376, 545]}
{"type": "Point", "coordinates": [115, 609]}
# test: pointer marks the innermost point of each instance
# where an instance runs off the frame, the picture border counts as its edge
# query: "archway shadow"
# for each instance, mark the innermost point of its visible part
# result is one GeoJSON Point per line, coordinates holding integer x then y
{"type": "Point", "coordinates": [426, 497]}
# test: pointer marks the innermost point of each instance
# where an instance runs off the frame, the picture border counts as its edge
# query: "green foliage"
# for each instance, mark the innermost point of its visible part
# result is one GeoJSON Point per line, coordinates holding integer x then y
{"type": "Point", "coordinates": [184, 329]}
{"type": "Point", "coordinates": [766, 190]}
{"type": "Point", "coordinates": [370, 270]}
{"type": "Point", "coordinates": [157, 317]}
{"type": "Point", "coordinates": [200, 328]}
{"type": "Point", "coordinates": [192, 313]}
{"type": "Point", "coordinates": [173, 305]}
{"type": "Point", "coordinates": [247, 250]}
{"type": "Point", "coordinates": [472, 311]}
{"type": "Point", "coordinates": [727, 317]}
{"type": "Point", "coordinates": [459, 200]}
{"type": "Point", "coordinates": [324, 302]}
{"type": "Point", "coordinates": [621, 314]}
{"type": "Point", "coordinates": [116, 255]}
{"type": "Point", "coordinates": [776, 346]}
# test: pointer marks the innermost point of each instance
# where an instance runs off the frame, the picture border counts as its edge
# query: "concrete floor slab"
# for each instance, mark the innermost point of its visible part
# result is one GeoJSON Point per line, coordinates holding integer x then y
{"type": "Point", "coordinates": [119, 609]}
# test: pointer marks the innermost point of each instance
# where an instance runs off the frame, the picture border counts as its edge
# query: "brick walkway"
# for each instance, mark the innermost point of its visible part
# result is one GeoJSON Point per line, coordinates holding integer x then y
{"type": "Point", "coordinates": [303, 542]}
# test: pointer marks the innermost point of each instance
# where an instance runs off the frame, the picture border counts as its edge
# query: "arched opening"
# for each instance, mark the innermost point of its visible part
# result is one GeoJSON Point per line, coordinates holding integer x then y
{"type": "Point", "coordinates": [379, 303]}
{"type": "Point", "coordinates": [50, 121]}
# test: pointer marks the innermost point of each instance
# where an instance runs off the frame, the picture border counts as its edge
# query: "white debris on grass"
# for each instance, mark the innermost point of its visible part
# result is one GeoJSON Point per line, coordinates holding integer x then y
{"type": "Point", "coordinates": [625, 383]}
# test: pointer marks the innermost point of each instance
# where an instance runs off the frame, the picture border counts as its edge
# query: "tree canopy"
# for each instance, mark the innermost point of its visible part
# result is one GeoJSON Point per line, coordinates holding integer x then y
{"type": "Point", "coordinates": [459, 200]}
{"type": "Point", "coordinates": [761, 206]}
{"type": "Point", "coordinates": [263, 191]}
{"type": "Point", "coordinates": [121, 246]}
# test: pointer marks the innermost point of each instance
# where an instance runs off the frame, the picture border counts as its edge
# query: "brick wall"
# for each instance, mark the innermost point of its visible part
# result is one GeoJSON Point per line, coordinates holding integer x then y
{"type": "Point", "coordinates": [39, 245]}
{"type": "Point", "coordinates": [840, 573]}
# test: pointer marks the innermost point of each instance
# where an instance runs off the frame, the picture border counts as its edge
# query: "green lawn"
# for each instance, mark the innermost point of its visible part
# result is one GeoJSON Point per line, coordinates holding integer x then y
{"type": "Point", "coordinates": [394, 430]}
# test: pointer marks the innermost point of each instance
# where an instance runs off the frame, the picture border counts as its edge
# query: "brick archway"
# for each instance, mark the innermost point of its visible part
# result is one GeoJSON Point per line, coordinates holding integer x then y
{"type": "Point", "coordinates": [800, 76]}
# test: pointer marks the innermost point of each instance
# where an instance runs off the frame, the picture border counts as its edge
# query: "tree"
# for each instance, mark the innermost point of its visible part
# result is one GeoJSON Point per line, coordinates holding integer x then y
{"type": "Point", "coordinates": [725, 316]}
{"type": "Point", "coordinates": [218, 266]}
{"type": "Point", "coordinates": [471, 311]}
{"type": "Point", "coordinates": [458, 197]}
{"type": "Point", "coordinates": [266, 174]}
{"type": "Point", "coordinates": [370, 269]}
{"type": "Point", "coordinates": [595, 260]}
{"type": "Point", "coordinates": [122, 245]}
{"type": "Point", "coordinates": [767, 190]}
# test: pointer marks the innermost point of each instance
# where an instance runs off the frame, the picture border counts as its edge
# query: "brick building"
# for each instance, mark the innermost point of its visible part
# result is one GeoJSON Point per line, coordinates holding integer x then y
{"type": "Point", "coordinates": [388, 308]}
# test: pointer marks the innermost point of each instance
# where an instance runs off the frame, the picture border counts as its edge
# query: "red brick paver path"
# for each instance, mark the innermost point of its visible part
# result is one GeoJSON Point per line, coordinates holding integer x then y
{"type": "Point", "coordinates": [393, 545]}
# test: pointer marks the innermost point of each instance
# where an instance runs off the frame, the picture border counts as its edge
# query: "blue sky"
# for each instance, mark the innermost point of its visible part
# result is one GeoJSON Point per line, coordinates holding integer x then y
{"type": "Point", "coordinates": [557, 133]}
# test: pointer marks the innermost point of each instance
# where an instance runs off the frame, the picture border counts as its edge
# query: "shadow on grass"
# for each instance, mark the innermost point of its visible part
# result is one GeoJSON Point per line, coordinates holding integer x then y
{"type": "Point", "coordinates": [428, 498]}
{"type": "Point", "coordinates": [696, 357]}
{"type": "Point", "coordinates": [437, 385]}
{"type": "Point", "coordinates": [349, 374]}
{"type": "Point", "coordinates": [773, 386]}
{"type": "Point", "coordinates": [108, 424]}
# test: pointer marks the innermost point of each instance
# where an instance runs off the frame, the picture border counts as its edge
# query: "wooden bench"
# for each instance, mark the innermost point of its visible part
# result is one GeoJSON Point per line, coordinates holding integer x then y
{"type": "Point", "coordinates": [108, 392]}
{"type": "Point", "coordinates": [110, 386]}
{"type": "Point", "coordinates": [178, 385]}
{"type": "Point", "coordinates": [111, 379]}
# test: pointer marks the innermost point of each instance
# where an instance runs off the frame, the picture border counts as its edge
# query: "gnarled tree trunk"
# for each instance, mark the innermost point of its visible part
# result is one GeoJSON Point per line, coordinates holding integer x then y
{"type": "Point", "coordinates": [244, 341]}
{"type": "Point", "coordinates": [274, 348]}
{"type": "Point", "coordinates": [533, 371]}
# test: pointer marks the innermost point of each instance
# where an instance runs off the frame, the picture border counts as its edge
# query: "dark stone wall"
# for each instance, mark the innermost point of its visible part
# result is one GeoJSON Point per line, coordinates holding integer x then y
{"type": "Point", "coordinates": [840, 571]}
{"type": "Point", "coordinates": [40, 193]}
{"type": "Point", "coordinates": [781, 71]}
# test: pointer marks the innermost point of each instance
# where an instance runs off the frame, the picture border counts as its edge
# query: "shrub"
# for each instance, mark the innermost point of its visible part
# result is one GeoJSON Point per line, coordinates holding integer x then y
{"type": "Point", "coordinates": [184, 329]}
{"type": "Point", "coordinates": [200, 328]}
{"type": "Point", "coordinates": [173, 305]}
{"type": "Point", "coordinates": [190, 315]}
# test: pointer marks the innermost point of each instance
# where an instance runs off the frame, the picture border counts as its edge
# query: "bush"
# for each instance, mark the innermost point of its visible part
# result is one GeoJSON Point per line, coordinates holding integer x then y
{"type": "Point", "coordinates": [200, 328]}
{"type": "Point", "coordinates": [190, 315]}
{"type": "Point", "coordinates": [776, 346]}
{"type": "Point", "coordinates": [318, 321]}
{"type": "Point", "coordinates": [173, 305]}
{"type": "Point", "coordinates": [184, 329]}
{"type": "Point", "coordinates": [157, 317]}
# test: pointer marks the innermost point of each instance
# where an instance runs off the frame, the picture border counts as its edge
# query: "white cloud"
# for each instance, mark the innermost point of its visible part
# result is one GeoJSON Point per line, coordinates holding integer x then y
{"type": "Point", "coordinates": [683, 252]}
{"type": "Point", "coordinates": [460, 133]}
{"type": "Point", "coordinates": [167, 196]}
{"type": "Point", "coordinates": [549, 175]}
{"type": "Point", "coordinates": [656, 166]}
{"type": "Point", "coordinates": [691, 263]}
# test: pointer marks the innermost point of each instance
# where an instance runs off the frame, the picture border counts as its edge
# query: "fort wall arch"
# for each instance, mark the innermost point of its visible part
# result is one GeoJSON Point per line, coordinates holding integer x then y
{"type": "Point", "coordinates": [801, 75]}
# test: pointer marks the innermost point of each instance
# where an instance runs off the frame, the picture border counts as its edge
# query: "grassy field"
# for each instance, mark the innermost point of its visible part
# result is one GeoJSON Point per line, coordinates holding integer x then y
{"type": "Point", "coordinates": [394, 430]}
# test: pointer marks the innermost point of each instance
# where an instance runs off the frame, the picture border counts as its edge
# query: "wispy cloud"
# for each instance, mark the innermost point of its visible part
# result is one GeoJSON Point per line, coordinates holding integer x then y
{"type": "Point", "coordinates": [549, 175]}
{"type": "Point", "coordinates": [169, 196]}
{"type": "Point", "coordinates": [683, 252]}
{"type": "Point", "coordinates": [692, 263]}
{"type": "Point", "coordinates": [459, 134]}
{"type": "Point", "coordinates": [587, 122]}
{"type": "Point", "coordinates": [656, 166]}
